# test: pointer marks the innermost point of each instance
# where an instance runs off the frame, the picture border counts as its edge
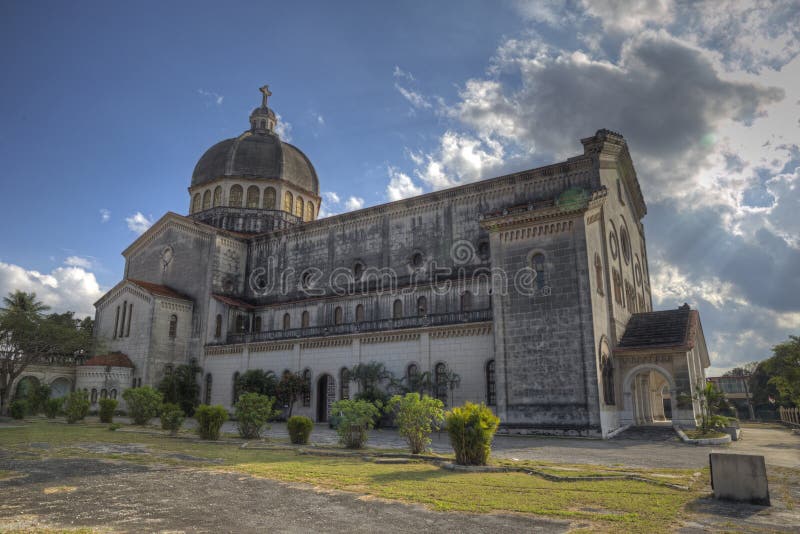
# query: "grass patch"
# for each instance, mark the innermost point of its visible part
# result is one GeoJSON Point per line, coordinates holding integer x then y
{"type": "Point", "coordinates": [609, 504]}
{"type": "Point", "coordinates": [699, 434]}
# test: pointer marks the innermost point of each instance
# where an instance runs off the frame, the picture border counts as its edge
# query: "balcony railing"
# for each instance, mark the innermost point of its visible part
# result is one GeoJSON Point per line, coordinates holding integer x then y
{"type": "Point", "coordinates": [364, 326]}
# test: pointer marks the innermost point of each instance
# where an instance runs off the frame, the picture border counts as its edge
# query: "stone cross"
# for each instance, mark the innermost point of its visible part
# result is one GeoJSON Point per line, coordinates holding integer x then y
{"type": "Point", "coordinates": [266, 93]}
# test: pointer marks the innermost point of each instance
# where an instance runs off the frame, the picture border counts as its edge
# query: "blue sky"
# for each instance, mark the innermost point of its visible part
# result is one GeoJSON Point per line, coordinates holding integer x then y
{"type": "Point", "coordinates": [106, 107]}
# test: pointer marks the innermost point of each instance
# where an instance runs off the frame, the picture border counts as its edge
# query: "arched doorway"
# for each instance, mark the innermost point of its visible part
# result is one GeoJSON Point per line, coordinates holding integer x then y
{"type": "Point", "coordinates": [26, 386]}
{"type": "Point", "coordinates": [650, 396]}
{"type": "Point", "coordinates": [59, 388]}
{"type": "Point", "coordinates": [326, 396]}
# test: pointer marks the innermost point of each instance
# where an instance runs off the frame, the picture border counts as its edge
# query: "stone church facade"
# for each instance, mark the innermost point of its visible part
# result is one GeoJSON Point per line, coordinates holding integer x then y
{"type": "Point", "coordinates": [533, 287]}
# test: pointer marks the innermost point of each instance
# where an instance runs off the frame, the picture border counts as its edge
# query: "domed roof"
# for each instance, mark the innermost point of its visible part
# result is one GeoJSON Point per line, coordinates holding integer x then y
{"type": "Point", "coordinates": [257, 153]}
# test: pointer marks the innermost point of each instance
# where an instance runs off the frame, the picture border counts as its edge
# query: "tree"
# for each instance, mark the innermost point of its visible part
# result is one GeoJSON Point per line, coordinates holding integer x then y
{"type": "Point", "coordinates": [369, 377]}
{"type": "Point", "coordinates": [180, 387]}
{"type": "Point", "coordinates": [291, 386]}
{"type": "Point", "coordinates": [257, 381]}
{"type": "Point", "coordinates": [784, 366]}
{"type": "Point", "coordinates": [416, 418]}
{"type": "Point", "coordinates": [712, 403]}
{"type": "Point", "coordinates": [28, 335]}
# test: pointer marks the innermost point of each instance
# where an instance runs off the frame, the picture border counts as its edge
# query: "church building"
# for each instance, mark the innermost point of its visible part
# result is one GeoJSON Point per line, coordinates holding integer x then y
{"type": "Point", "coordinates": [532, 287]}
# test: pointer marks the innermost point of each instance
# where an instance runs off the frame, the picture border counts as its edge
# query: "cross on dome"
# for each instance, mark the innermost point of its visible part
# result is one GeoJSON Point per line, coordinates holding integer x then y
{"type": "Point", "coordinates": [266, 93]}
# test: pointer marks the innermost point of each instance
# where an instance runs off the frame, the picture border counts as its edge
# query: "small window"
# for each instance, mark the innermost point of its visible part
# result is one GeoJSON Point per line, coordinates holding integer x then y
{"type": "Point", "coordinates": [397, 309]}
{"type": "Point", "coordinates": [218, 196]}
{"type": "Point", "coordinates": [235, 196]}
{"type": "Point", "coordinates": [538, 266]}
{"type": "Point", "coordinates": [626, 245]}
{"type": "Point", "coordinates": [417, 260]}
{"type": "Point", "coordinates": [466, 301]}
{"type": "Point", "coordinates": [241, 325]}
{"type": "Point", "coordinates": [412, 371]}
{"type": "Point", "coordinates": [113, 393]}
{"type": "Point", "coordinates": [360, 313]}
{"type": "Point", "coordinates": [607, 372]}
{"type": "Point", "coordinates": [207, 392]}
{"type": "Point", "coordinates": [103, 393]}
{"type": "Point", "coordinates": [287, 321]}
{"type": "Point", "coordinates": [483, 250]}
{"type": "Point", "coordinates": [253, 196]}
{"type": "Point", "coordinates": [598, 274]}
{"type": "Point", "coordinates": [338, 316]}
{"type": "Point", "coordinates": [309, 211]}
{"type": "Point", "coordinates": [257, 324]}
{"type": "Point", "coordinates": [305, 319]}
{"type": "Point", "coordinates": [269, 198]}
{"type": "Point", "coordinates": [235, 388]}
{"type": "Point", "coordinates": [491, 386]}
{"type": "Point", "coordinates": [620, 192]}
{"type": "Point", "coordinates": [218, 326]}
{"type": "Point", "coordinates": [344, 379]}
{"type": "Point", "coordinates": [440, 381]}
{"type": "Point", "coordinates": [358, 271]}
{"type": "Point", "coordinates": [207, 200]}
{"type": "Point", "coordinates": [422, 306]}
{"type": "Point", "coordinates": [173, 326]}
{"type": "Point", "coordinates": [196, 203]}
{"type": "Point", "coordinates": [307, 388]}
{"type": "Point", "coordinates": [94, 395]}
{"type": "Point", "coordinates": [299, 207]}
{"type": "Point", "coordinates": [288, 201]}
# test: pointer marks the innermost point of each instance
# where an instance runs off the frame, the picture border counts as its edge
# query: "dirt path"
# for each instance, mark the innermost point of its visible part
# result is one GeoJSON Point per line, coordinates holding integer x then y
{"type": "Point", "coordinates": [122, 496]}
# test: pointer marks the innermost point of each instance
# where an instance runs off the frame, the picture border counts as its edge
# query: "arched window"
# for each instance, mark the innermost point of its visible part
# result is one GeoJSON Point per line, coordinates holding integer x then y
{"type": "Point", "coordinates": [338, 315]}
{"type": "Point", "coordinates": [305, 319]}
{"type": "Point", "coordinates": [344, 380]}
{"type": "Point", "coordinates": [235, 388]}
{"type": "Point", "coordinates": [625, 244]}
{"type": "Point", "coordinates": [253, 195]}
{"type": "Point", "coordinates": [218, 326]}
{"type": "Point", "coordinates": [257, 324]}
{"type": "Point", "coordinates": [537, 264]}
{"type": "Point", "coordinates": [218, 196]}
{"type": "Point", "coordinates": [288, 201]}
{"type": "Point", "coordinates": [397, 309]}
{"type": "Point", "coordinates": [598, 273]}
{"type": "Point", "coordinates": [491, 386]}
{"type": "Point", "coordinates": [269, 198]}
{"type": "Point", "coordinates": [207, 200]}
{"type": "Point", "coordinates": [466, 301]}
{"type": "Point", "coordinates": [196, 203]}
{"type": "Point", "coordinates": [358, 271]}
{"type": "Point", "coordinates": [309, 211]}
{"type": "Point", "coordinates": [412, 371]}
{"type": "Point", "coordinates": [299, 207]}
{"type": "Point", "coordinates": [240, 324]}
{"type": "Point", "coordinates": [235, 196]}
{"type": "Point", "coordinates": [287, 321]}
{"type": "Point", "coordinates": [307, 387]}
{"type": "Point", "coordinates": [360, 313]}
{"type": "Point", "coordinates": [422, 306]}
{"type": "Point", "coordinates": [94, 395]}
{"type": "Point", "coordinates": [207, 392]}
{"type": "Point", "coordinates": [173, 325]}
{"type": "Point", "coordinates": [113, 393]}
{"type": "Point", "coordinates": [440, 381]}
{"type": "Point", "coordinates": [104, 393]}
{"type": "Point", "coordinates": [607, 372]}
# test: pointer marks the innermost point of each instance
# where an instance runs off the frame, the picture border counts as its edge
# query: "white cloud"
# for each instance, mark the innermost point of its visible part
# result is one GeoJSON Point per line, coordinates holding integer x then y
{"type": "Point", "coordinates": [283, 128]}
{"type": "Point", "coordinates": [138, 222]}
{"type": "Point", "coordinates": [353, 203]}
{"type": "Point", "coordinates": [630, 15]}
{"type": "Point", "coordinates": [320, 119]}
{"type": "Point", "coordinates": [459, 159]}
{"type": "Point", "coordinates": [78, 261]}
{"type": "Point", "coordinates": [211, 96]}
{"type": "Point", "coordinates": [331, 197]}
{"type": "Point", "coordinates": [67, 288]}
{"type": "Point", "coordinates": [401, 74]}
{"type": "Point", "coordinates": [105, 215]}
{"type": "Point", "coordinates": [401, 185]}
{"type": "Point", "coordinates": [416, 99]}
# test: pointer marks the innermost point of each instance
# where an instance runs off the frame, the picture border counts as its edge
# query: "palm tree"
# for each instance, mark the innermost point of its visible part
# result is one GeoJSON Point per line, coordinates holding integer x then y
{"type": "Point", "coordinates": [25, 303]}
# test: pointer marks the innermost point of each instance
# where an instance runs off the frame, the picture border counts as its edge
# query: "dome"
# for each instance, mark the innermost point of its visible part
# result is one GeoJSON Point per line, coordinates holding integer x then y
{"type": "Point", "coordinates": [257, 153]}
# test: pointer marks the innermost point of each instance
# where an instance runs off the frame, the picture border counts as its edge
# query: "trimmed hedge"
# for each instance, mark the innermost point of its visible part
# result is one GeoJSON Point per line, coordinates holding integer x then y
{"type": "Point", "coordinates": [210, 420]}
{"type": "Point", "coordinates": [171, 418]}
{"type": "Point", "coordinates": [52, 407]}
{"type": "Point", "coordinates": [76, 406]}
{"type": "Point", "coordinates": [471, 429]}
{"type": "Point", "coordinates": [252, 412]}
{"type": "Point", "coordinates": [299, 429]}
{"type": "Point", "coordinates": [107, 407]}
{"type": "Point", "coordinates": [18, 408]}
{"type": "Point", "coordinates": [143, 403]}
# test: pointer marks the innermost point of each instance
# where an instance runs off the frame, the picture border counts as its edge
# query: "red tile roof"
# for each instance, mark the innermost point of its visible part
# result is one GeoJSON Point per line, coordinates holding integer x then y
{"type": "Point", "coordinates": [158, 289]}
{"type": "Point", "coordinates": [236, 303]}
{"type": "Point", "coordinates": [115, 359]}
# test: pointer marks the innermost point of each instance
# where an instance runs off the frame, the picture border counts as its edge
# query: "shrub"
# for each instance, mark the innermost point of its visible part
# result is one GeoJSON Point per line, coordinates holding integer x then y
{"type": "Point", "coordinates": [113, 427]}
{"type": "Point", "coordinates": [107, 407]}
{"type": "Point", "coordinates": [143, 403]}
{"type": "Point", "coordinates": [18, 408]}
{"type": "Point", "coordinates": [180, 387]}
{"type": "Point", "coordinates": [37, 396]}
{"type": "Point", "coordinates": [52, 407]}
{"type": "Point", "coordinates": [171, 418]}
{"type": "Point", "coordinates": [76, 406]}
{"type": "Point", "coordinates": [209, 420]}
{"type": "Point", "coordinates": [416, 417]}
{"type": "Point", "coordinates": [299, 429]}
{"type": "Point", "coordinates": [356, 417]}
{"type": "Point", "coordinates": [252, 413]}
{"type": "Point", "coordinates": [471, 429]}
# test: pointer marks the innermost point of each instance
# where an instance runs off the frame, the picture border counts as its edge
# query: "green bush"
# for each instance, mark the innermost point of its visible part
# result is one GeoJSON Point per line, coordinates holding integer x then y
{"type": "Point", "coordinates": [52, 407]}
{"type": "Point", "coordinates": [299, 429]}
{"type": "Point", "coordinates": [113, 427]}
{"type": "Point", "coordinates": [18, 408]}
{"type": "Point", "coordinates": [37, 396]}
{"type": "Point", "coordinates": [76, 406]}
{"type": "Point", "coordinates": [143, 403]}
{"type": "Point", "coordinates": [356, 417]}
{"type": "Point", "coordinates": [471, 428]}
{"type": "Point", "coordinates": [209, 420]}
{"type": "Point", "coordinates": [107, 408]}
{"type": "Point", "coordinates": [416, 417]}
{"type": "Point", "coordinates": [252, 412]}
{"type": "Point", "coordinates": [171, 418]}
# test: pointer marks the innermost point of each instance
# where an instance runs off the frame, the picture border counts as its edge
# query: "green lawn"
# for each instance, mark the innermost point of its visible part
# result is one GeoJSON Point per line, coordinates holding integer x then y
{"type": "Point", "coordinates": [609, 504]}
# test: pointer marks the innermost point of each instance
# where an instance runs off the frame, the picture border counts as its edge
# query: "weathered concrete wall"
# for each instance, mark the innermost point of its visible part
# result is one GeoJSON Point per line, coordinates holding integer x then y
{"type": "Point", "coordinates": [739, 477]}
